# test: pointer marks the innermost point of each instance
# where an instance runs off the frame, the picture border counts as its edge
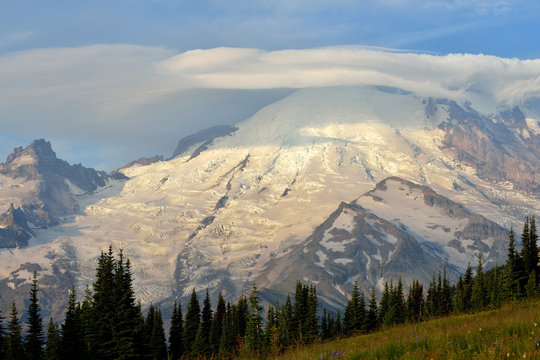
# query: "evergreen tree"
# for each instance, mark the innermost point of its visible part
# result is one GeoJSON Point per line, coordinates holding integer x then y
{"type": "Point", "coordinates": [128, 331]}
{"type": "Point", "coordinates": [206, 321]}
{"type": "Point", "coordinates": [300, 311]}
{"type": "Point", "coordinates": [385, 304]}
{"type": "Point", "coordinates": [14, 346]}
{"type": "Point", "coordinates": [324, 325]}
{"type": "Point", "coordinates": [270, 333]}
{"type": "Point", "coordinates": [86, 321]}
{"type": "Point", "coordinates": [157, 340]}
{"type": "Point", "coordinates": [512, 270]}
{"type": "Point", "coordinates": [415, 302]}
{"type": "Point", "coordinates": [373, 312]}
{"type": "Point", "coordinates": [432, 298]}
{"type": "Point", "coordinates": [467, 288]}
{"type": "Point", "coordinates": [71, 343]}
{"type": "Point", "coordinates": [34, 338]}
{"type": "Point", "coordinates": [312, 321]}
{"type": "Point", "coordinates": [228, 337]}
{"type": "Point", "coordinates": [241, 316]}
{"type": "Point", "coordinates": [478, 298]}
{"type": "Point", "coordinates": [285, 324]}
{"type": "Point", "coordinates": [191, 322]}
{"type": "Point", "coordinates": [533, 247]}
{"type": "Point", "coordinates": [101, 342]}
{"type": "Point", "coordinates": [176, 346]}
{"type": "Point", "coordinates": [2, 336]}
{"type": "Point", "coordinates": [199, 346]}
{"type": "Point", "coordinates": [253, 330]}
{"type": "Point", "coordinates": [530, 287]}
{"type": "Point", "coordinates": [445, 302]}
{"type": "Point", "coordinates": [526, 248]}
{"type": "Point", "coordinates": [399, 304]}
{"type": "Point", "coordinates": [217, 324]}
{"type": "Point", "coordinates": [52, 347]}
{"type": "Point", "coordinates": [458, 304]}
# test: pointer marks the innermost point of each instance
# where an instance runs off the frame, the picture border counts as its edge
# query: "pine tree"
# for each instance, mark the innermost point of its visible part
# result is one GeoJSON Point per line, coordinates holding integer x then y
{"type": "Point", "coordinates": [176, 345]}
{"type": "Point", "coordinates": [71, 343]}
{"type": "Point", "coordinates": [312, 321]}
{"type": "Point", "coordinates": [14, 347]}
{"type": "Point", "coordinates": [512, 270]}
{"type": "Point", "coordinates": [206, 321]}
{"type": "Point", "coordinates": [526, 248]}
{"type": "Point", "coordinates": [458, 305]}
{"type": "Point", "coordinates": [199, 346]}
{"type": "Point", "coordinates": [2, 336]}
{"type": "Point", "coordinates": [158, 345]}
{"type": "Point", "coordinates": [52, 347]}
{"type": "Point", "coordinates": [324, 325]}
{"type": "Point", "coordinates": [478, 298]}
{"type": "Point", "coordinates": [415, 302]}
{"type": "Point", "coordinates": [285, 324]}
{"type": "Point", "coordinates": [253, 330]}
{"type": "Point", "coordinates": [385, 304]}
{"type": "Point", "coordinates": [530, 287]}
{"type": "Point", "coordinates": [34, 339]}
{"type": "Point", "coordinates": [467, 288]}
{"type": "Point", "coordinates": [192, 320]}
{"type": "Point", "coordinates": [101, 342]}
{"type": "Point", "coordinates": [228, 337]}
{"type": "Point", "coordinates": [533, 246]}
{"type": "Point", "coordinates": [373, 312]}
{"type": "Point", "coordinates": [445, 303]}
{"type": "Point", "coordinates": [128, 331]}
{"type": "Point", "coordinates": [399, 304]}
{"type": "Point", "coordinates": [217, 324]}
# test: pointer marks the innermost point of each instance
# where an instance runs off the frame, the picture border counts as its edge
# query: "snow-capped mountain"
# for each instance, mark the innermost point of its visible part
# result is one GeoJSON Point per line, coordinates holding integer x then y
{"type": "Point", "coordinates": [242, 206]}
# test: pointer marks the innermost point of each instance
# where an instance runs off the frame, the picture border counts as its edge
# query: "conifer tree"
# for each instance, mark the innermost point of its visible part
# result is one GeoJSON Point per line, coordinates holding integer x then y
{"type": "Point", "coordinates": [373, 312]}
{"type": "Point", "coordinates": [399, 304]}
{"type": "Point", "coordinates": [324, 325]}
{"type": "Point", "coordinates": [312, 321]}
{"type": "Point", "coordinates": [478, 298]}
{"type": "Point", "coordinates": [467, 288]}
{"type": "Point", "coordinates": [14, 347]}
{"type": "Point", "coordinates": [176, 345]}
{"type": "Point", "coordinates": [157, 341]}
{"type": "Point", "coordinates": [128, 331]}
{"type": "Point", "coordinates": [228, 337]}
{"type": "Point", "coordinates": [101, 344]}
{"type": "Point", "coordinates": [385, 303]}
{"type": "Point", "coordinates": [526, 248]}
{"type": "Point", "coordinates": [270, 330]}
{"type": "Point", "coordinates": [445, 303]}
{"type": "Point", "coordinates": [530, 287]}
{"type": "Point", "coordinates": [71, 343]}
{"type": "Point", "coordinates": [191, 322]}
{"type": "Point", "coordinates": [206, 321]}
{"type": "Point", "coordinates": [199, 346]}
{"type": "Point", "coordinates": [241, 316]}
{"type": "Point", "coordinates": [415, 302]}
{"type": "Point", "coordinates": [533, 246]}
{"type": "Point", "coordinates": [285, 323]}
{"type": "Point", "coordinates": [2, 336]}
{"type": "Point", "coordinates": [253, 330]}
{"type": "Point", "coordinates": [458, 305]}
{"type": "Point", "coordinates": [217, 324]}
{"type": "Point", "coordinates": [34, 338]}
{"type": "Point", "coordinates": [52, 347]}
{"type": "Point", "coordinates": [512, 270]}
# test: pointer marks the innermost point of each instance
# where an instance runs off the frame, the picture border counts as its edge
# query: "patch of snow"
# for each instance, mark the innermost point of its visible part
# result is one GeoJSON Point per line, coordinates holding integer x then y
{"type": "Point", "coordinates": [343, 261]}
{"type": "Point", "coordinates": [322, 258]}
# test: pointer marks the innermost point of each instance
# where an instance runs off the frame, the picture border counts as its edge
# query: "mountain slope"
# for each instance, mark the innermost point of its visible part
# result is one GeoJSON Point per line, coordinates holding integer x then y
{"type": "Point", "coordinates": [223, 218]}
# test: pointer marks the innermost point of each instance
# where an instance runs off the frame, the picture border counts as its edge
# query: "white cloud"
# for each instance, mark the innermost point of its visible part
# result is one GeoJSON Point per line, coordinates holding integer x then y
{"type": "Point", "coordinates": [15, 37]}
{"type": "Point", "coordinates": [141, 100]}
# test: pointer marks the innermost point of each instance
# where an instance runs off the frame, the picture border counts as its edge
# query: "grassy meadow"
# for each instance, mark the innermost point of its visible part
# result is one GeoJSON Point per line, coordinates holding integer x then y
{"type": "Point", "coordinates": [512, 331]}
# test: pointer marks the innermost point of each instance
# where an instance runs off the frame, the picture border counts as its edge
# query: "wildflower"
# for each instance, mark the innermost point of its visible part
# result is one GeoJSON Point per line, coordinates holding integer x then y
{"type": "Point", "coordinates": [337, 354]}
{"type": "Point", "coordinates": [537, 344]}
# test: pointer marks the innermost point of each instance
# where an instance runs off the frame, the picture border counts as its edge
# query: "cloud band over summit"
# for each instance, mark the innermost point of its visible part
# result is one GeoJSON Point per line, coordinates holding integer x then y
{"type": "Point", "coordinates": [132, 91]}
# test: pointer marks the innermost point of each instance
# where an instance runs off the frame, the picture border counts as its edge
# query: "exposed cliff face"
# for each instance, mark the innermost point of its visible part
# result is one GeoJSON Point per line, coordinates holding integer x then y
{"type": "Point", "coordinates": [14, 230]}
{"type": "Point", "coordinates": [500, 147]}
{"type": "Point", "coordinates": [49, 186]}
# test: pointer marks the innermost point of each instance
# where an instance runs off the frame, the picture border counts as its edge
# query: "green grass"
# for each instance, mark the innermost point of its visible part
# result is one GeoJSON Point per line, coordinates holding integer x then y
{"type": "Point", "coordinates": [512, 331]}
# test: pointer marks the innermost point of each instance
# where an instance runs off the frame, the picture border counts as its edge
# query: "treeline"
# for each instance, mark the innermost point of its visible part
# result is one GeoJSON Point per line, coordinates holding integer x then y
{"type": "Point", "coordinates": [109, 324]}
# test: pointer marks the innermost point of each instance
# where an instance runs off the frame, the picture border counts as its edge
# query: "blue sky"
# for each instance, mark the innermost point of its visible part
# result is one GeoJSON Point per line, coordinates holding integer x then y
{"type": "Point", "coordinates": [57, 47]}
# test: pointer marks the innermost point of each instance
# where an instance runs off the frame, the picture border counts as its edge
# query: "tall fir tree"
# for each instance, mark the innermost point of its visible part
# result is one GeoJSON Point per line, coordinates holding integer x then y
{"type": "Point", "coordinates": [14, 349]}
{"type": "Point", "coordinates": [254, 326]}
{"type": "Point", "coordinates": [176, 345]}
{"type": "Point", "coordinates": [128, 331]}
{"type": "Point", "coordinates": [71, 343]}
{"type": "Point", "coordinates": [191, 322]}
{"type": "Point", "coordinates": [445, 302]}
{"type": "Point", "coordinates": [415, 302]}
{"type": "Point", "coordinates": [512, 269]}
{"type": "Point", "coordinates": [158, 346]}
{"type": "Point", "coordinates": [101, 342]}
{"type": "Point", "coordinates": [206, 321]}
{"type": "Point", "coordinates": [199, 346]}
{"type": "Point", "coordinates": [34, 339]}
{"type": "Point", "coordinates": [373, 312]}
{"type": "Point", "coordinates": [525, 248]}
{"type": "Point", "coordinates": [312, 321]}
{"type": "Point", "coordinates": [478, 298]}
{"type": "Point", "coordinates": [52, 346]}
{"type": "Point", "coordinates": [533, 246]}
{"type": "Point", "coordinates": [2, 335]}
{"type": "Point", "coordinates": [217, 324]}
{"type": "Point", "coordinates": [285, 324]}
